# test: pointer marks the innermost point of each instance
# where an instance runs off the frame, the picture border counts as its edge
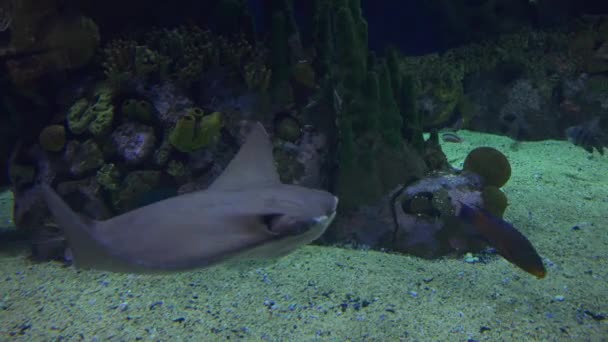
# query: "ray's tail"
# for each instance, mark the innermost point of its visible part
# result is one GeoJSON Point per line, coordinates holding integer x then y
{"type": "Point", "coordinates": [77, 228]}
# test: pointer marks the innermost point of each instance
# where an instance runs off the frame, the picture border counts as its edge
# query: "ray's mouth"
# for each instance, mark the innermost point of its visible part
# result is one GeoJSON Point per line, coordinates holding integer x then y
{"type": "Point", "coordinates": [320, 219]}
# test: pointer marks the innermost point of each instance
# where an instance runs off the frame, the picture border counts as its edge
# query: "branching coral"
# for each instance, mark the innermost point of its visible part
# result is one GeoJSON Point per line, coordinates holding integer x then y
{"type": "Point", "coordinates": [125, 60]}
{"type": "Point", "coordinates": [182, 55]}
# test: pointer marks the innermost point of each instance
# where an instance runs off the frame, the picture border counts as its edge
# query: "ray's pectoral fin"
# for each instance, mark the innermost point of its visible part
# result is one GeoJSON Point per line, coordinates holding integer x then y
{"type": "Point", "coordinates": [252, 167]}
{"type": "Point", "coordinates": [285, 225]}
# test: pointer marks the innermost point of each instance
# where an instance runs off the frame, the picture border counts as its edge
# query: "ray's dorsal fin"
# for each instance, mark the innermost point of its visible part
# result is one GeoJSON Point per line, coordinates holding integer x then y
{"type": "Point", "coordinates": [252, 167]}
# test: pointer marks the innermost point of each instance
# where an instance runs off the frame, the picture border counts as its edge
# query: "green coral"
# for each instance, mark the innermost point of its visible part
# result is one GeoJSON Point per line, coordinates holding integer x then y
{"type": "Point", "coordinates": [288, 167]}
{"type": "Point", "coordinates": [390, 118]}
{"type": "Point", "coordinates": [195, 131]}
{"type": "Point", "coordinates": [132, 187]}
{"type": "Point", "coordinates": [108, 176]}
{"type": "Point", "coordinates": [177, 169]}
{"type": "Point", "coordinates": [78, 116]}
{"type": "Point", "coordinates": [104, 114]}
{"type": "Point", "coordinates": [366, 103]}
{"type": "Point", "coordinates": [288, 129]}
{"type": "Point", "coordinates": [163, 152]}
{"type": "Point", "coordinates": [84, 157]}
{"type": "Point", "coordinates": [95, 115]}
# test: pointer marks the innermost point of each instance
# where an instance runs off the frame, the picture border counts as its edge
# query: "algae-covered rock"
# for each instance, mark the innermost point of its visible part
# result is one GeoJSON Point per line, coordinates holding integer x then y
{"type": "Point", "coordinates": [83, 157]}
{"type": "Point", "coordinates": [78, 116]}
{"type": "Point", "coordinates": [133, 186]}
{"type": "Point", "coordinates": [494, 200]}
{"type": "Point", "coordinates": [288, 128]}
{"type": "Point", "coordinates": [195, 131]}
{"type": "Point", "coordinates": [103, 112]}
{"type": "Point", "coordinates": [177, 169]}
{"type": "Point", "coordinates": [490, 164]}
{"type": "Point", "coordinates": [95, 115]}
{"type": "Point", "coordinates": [163, 152]}
{"type": "Point", "coordinates": [134, 142]}
{"type": "Point", "coordinates": [52, 138]}
{"type": "Point", "coordinates": [108, 176]}
{"type": "Point", "coordinates": [138, 110]}
{"type": "Point", "coordinates": [288, 167]}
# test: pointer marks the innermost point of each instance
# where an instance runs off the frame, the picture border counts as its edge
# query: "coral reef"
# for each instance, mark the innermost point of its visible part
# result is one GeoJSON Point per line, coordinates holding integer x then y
{"type": "Point", "coordinates": [175, 101]}
{"type": "Point", "coordinates": [287, 127]}
{"type": "Point", "coordinates": [453, 86]}
{"type": "Point", "coordinates": [134, 185]}
{"type": "Point", "coordinates": [83, 157]}
{"type": "Point", "coordinates": [370, 98]}
{"type": "Point", "coordinates": [95, 115]}
{"type": "Point", "coordinates": [196, 130]}
{"type": "Point", "coordinates": [182, 55]}
{"type": "Point", "coordinates": [108, 176]}
{"type": "Point", "coordinates": [134, 142]}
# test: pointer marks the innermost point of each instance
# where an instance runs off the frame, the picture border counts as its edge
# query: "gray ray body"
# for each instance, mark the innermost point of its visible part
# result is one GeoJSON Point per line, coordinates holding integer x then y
{"type": "Point", "coordinates": [246, 213]}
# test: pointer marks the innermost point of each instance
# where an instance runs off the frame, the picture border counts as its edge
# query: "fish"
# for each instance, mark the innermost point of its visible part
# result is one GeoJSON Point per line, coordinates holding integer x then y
{"type": "Point", "coordinates": [587, 135]}
{"type": "Point", "coordinates": [508, 241]}
{"type": "Point", "coordinates": [246, 213]}
{"type": "Point", "coordinates": [451, 137]}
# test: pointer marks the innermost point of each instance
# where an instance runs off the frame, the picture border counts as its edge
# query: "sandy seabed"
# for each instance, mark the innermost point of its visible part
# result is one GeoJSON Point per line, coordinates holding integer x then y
{"type": "Point", "coordinates": [558, 196]}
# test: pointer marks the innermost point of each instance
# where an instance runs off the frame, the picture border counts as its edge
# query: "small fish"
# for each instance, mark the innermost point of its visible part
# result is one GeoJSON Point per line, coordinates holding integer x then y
{"type": "Point", "coordinates": [507, 240]}
{"type": "Point", "coordinates": [246, 213]}
{"type": "Point", "coordinates": [451, 137]}
{"type": "Point", "coordinates": [587, 135]}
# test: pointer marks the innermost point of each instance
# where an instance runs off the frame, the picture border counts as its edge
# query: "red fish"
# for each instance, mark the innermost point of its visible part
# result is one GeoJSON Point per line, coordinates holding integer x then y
{"type": "Point", "coordinates": [507, 240]}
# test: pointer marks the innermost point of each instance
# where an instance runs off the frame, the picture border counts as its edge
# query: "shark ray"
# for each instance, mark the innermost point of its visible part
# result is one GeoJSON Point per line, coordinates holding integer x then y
{"type": "Point", "coordinates": [245, 213]}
